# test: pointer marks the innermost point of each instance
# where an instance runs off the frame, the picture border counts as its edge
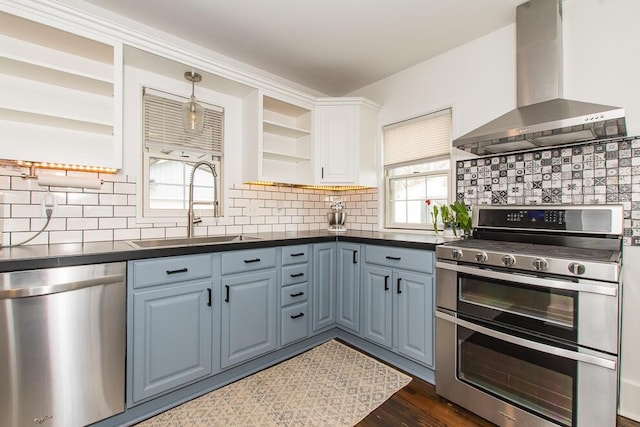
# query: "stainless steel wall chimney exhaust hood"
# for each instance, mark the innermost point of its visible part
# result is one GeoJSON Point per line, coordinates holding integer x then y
{"type": "Point", "coordinates": [543, 118]}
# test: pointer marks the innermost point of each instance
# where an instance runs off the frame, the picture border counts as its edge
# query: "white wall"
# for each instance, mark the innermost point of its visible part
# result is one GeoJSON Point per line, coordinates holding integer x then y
{"type": "Point", "coordinates": [602, 63]}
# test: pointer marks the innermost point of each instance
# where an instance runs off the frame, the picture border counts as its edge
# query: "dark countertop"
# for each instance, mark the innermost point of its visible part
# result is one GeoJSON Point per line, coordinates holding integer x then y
{"type": "Point", "coordinates": [46, 256]}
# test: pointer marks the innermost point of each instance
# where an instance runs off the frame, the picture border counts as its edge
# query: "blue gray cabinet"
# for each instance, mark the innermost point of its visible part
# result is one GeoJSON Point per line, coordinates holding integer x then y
{"type": "Point", "coordinates": [348, 286]}
{"type": "Point", "coordinates": [249, 305]}
{"type": "Point", "coordinates": [377, 304]}
{"type": "Point", "coordinates": [398, 300]}
{"type": "Point", "coordinates": [324, 285]}
{"type": "Point", "coordinates": [294, 294]}
{"type": "Point", "coordinates": [172, 324]}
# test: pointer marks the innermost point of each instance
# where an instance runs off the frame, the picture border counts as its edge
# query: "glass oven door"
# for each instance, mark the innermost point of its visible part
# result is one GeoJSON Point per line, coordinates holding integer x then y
{"type": "Point", "coordinates": [541, 378]}
{"type": "Point", "coordinates": [546, 310]}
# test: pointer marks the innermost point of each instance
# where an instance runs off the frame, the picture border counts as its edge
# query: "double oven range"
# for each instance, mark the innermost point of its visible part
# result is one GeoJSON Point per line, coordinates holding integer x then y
{"type": "Point", "coordinates": [527, 316]}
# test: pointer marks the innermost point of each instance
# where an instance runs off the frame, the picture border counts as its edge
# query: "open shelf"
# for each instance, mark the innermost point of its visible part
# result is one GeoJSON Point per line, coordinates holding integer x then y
{"type": "Point", "coordinates": [60, 95]}
{"type": "Point", "coordinates": [286, 141]}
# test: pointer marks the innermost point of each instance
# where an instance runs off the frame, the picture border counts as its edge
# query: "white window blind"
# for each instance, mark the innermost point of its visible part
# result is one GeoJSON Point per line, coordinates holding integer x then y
{"type": "Point", "coordinates": [163, 126]}
{"type": "Point", "coordinates": [420, 138]}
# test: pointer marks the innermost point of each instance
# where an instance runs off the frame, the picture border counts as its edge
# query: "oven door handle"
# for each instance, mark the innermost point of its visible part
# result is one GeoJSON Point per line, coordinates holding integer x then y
{"type": "Point", "coordinates": [544, 348]}
{"type": "Point", "coordinates": [582, 286]}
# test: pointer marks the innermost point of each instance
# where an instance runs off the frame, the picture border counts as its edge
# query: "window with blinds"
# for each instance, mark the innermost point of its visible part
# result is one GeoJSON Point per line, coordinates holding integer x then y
{"type": "Point", "coordinates": [169, 154]}
{"type": "Point", "coordinates": [417, 167]}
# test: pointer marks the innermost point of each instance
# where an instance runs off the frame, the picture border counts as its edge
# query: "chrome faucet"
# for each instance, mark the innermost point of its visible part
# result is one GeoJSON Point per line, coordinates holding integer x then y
{"type": "Point", "coordinates": [192, 220]}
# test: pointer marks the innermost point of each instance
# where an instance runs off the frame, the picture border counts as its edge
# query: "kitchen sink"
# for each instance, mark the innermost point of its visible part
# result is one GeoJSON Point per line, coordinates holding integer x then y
{"type": "Point", "coordinates": [205, 240]}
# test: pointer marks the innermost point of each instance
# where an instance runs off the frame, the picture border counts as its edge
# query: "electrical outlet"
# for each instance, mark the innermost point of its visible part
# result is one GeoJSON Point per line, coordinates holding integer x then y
{"type": "Point", "coordinates": [48, 202]}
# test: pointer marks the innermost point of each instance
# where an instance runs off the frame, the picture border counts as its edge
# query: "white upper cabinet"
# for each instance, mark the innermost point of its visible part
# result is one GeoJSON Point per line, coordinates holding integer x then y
{"type": "Point", "coordinates": [346, 138]}
{"type": "Point", "coordinates": [61, 95]}
{"type": "Point", "coordinates": [281, 148]}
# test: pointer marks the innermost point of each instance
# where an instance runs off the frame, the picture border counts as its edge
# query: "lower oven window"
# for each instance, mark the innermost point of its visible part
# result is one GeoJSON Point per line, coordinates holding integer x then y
{"type": "Point", "coordinates": [537, 382]}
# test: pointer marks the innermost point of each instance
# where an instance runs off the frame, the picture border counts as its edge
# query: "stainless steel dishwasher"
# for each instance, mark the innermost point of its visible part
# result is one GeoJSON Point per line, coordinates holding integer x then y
{"type": "Point", "coordinates": [62, 345]}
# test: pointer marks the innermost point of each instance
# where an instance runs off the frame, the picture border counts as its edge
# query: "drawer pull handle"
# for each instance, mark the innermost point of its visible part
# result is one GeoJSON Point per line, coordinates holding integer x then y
{"type": "Point", "coordinates": [386, 283]}
{"type": "Point", "coordinates": [181, 270]}
{"type": "Point", "coordinates": [297, 275]}
{"type": "Point", "coordinates": [209, 292]}
{"type": "Point", "coordinates": [298, 254]}
{"type": "Point", "coordinates": [295, 316]}
{"type": "Point", "coordinates": [355, 253]}
{"type": "Point", "coordinates": [249, 261]}
{"type": "Point", "coordinates": [394, 258]}
{"type": "Point", "coordinates": [297, 294]}
{"type": "Point", "coordinates": [399, 290]}
{"type": "Point", "coordinates": [226, 297]}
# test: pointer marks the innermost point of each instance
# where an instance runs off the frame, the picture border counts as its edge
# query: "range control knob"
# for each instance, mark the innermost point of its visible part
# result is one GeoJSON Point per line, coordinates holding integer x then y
{"type": "Point", "coordinates": [481, 257]}
{"type": "Point", "coordinates": [508, 260]}
{"type": "Point", "coordinates": [576, 268]}
{"type": "Point", "coordinates": [456, 254]}
{"type": "Point", "coordinates": [540, 264]}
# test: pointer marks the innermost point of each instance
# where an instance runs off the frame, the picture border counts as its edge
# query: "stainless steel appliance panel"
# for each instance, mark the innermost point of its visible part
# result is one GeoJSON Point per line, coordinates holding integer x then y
{"type": "Point", "coordinates": [597, 374]}
{"type": "Point", "coordinates": [62, 345]}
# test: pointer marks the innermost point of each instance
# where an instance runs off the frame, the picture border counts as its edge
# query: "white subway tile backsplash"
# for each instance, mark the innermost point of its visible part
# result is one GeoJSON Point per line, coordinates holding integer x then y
{"type": "Point", "coordinates": [82, 199]}
{"type": "Point", "coordinates": [152, 233]}
{"type": "Point", "coordinates": [113, 199]}
{"type": "Point", "coordinates": [65, 237]}
{"type": "Point", "coordinates": [98, 211]}
{"type": "Point", "coordinates": [82, 223]}
{"type": "Point", "coordinates": [124, 188]}
{"type": "Point", "coordinates": [66, 211]}
{"type": "Point", "coordinates": [26, 211]}
{"type": "Point", "coordinates": [112, 223]}
{"type": "Point", "coordinates": [19, 237]}
{"type": "Point", "coordinates": [110, 213]}
{"type": "Point", "coordinates": [16, 197]}
{"type": "Point", "coordinates": [97, 235]}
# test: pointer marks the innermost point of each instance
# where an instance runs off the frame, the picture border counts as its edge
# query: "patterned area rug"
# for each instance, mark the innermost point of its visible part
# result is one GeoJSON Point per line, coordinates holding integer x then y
{"type": "Point", "coordinates": [331, 385]}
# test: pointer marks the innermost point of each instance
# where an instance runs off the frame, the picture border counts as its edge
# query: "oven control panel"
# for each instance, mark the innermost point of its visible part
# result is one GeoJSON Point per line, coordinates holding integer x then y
{"type": "Point", "coordinates": [591, 219]}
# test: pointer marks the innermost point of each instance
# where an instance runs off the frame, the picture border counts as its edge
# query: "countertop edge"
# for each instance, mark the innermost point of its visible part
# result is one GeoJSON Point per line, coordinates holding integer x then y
{"type": "Point", "coordinates": [62, 255]}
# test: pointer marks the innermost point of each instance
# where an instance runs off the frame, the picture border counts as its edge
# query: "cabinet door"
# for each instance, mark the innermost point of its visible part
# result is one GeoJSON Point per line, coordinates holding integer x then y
{"type": "Point", "coordinates": [249, 316]}
{"type": "Point", "coordinates": [171, 337]}
{"type": "Point", "coordinates": [377, 304]}
{"type": "Point", "coordinates": [348, 286]}
{"type": "Point", "coordinates": [415, 316]}
{"type": "Point", "coordinates": [336, 129]}
{"type": "Point", "coordinates": [324, 285]}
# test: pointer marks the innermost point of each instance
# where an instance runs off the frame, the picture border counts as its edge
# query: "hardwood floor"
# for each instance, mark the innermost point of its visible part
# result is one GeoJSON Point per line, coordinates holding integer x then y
{"type": "Point", "coordinates": [417, 404]}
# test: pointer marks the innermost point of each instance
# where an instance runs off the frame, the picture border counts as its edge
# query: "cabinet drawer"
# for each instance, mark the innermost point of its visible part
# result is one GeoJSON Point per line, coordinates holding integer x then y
{"type": "Point", "coordinates": [295, 323]}
{"type": "Point", "coordinates": [295, 254]}
{"type": "Point", "coordinates": [410, 259]}
{"type": "Point", "coordinates": [254, 259]}
{"type": "Point", "coordinates": [295, 274]}
{"type": "Point", "coordinates": [159, 271]}
{"type": "Point", "coordinates": [294, 294]}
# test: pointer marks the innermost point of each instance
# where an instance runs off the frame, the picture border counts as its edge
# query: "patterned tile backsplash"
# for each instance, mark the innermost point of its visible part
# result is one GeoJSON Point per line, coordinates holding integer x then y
{"type": "Point", "coordinates": [600, 172]}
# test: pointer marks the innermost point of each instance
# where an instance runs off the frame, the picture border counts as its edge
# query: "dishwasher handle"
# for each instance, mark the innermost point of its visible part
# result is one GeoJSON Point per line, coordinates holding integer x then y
{"type": "Point", "coordinates": [47, 281]}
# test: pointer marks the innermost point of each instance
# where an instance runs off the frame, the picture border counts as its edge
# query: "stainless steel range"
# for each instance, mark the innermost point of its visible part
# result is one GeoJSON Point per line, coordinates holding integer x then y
{"type": "Point", "coordinates": [527, 317]}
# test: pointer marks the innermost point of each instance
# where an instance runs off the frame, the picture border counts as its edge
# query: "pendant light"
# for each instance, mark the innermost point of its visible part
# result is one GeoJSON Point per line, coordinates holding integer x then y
{"type": "Point", "coordinates": [192, 112]}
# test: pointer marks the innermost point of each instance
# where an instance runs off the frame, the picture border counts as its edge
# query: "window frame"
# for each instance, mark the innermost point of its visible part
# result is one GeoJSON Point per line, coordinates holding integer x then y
{"type": "Point", "coordinates": [428, 226]}
{"type": "Point", "coordinates": [438, 152]}
{"type": "Point", "coordinates": [148, 212]}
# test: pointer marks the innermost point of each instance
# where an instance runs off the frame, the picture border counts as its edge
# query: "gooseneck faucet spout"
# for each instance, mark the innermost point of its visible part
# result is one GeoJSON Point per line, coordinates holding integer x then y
{"type": "Point", "coordinates": [192, 220]}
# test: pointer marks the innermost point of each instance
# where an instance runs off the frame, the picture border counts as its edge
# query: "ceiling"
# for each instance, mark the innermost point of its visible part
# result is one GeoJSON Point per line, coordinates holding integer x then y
{"type": "Point", "coordinates": [331, 46]}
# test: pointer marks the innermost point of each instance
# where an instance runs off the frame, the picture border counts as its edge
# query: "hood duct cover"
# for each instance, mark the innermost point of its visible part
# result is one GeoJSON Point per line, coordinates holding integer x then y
{"type": "Point", "coordinates": [543, 118]}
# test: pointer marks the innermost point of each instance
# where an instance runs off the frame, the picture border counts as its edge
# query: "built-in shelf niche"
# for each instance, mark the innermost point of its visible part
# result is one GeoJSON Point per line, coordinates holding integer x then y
{"type": "Point", "coordinates": [60, 95]}
{"type": "Point", "coordinates": [286, 141]}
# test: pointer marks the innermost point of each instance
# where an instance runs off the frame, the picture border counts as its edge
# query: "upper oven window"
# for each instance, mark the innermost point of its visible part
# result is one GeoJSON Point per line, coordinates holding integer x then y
{"type": "Point", "coordinates": [546, 310]}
